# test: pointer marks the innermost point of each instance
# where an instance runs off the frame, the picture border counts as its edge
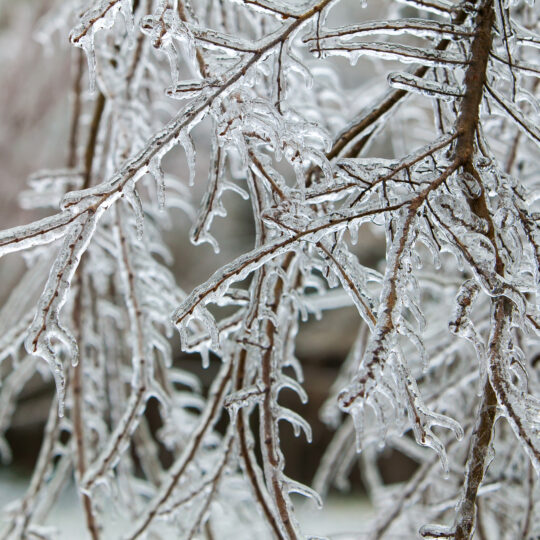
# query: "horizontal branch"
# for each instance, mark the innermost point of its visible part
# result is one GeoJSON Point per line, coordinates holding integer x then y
{"type": "Point", "coordinates": [391, 51]}
{"type": "Point", "coordinates": [416, 27]}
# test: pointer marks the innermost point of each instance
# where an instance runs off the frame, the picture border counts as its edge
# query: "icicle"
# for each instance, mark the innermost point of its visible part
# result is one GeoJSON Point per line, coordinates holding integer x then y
{"type": "Point", "coordinates": [205, 356]}
{"type": "Point", "coordinates": [422, 419]}
{"type": "Point", "coordinates": [132, 196]}
{"type": "Point", "coordinates": [294, 385]}
{"type": "Point", "coordinates": [404, 328]}
{"type": "Point", "coordinates": [306, 491]}
{"type": "Point", "coordinates": [189, 148]}
{"type": "Point", "coordinates": [357, 414]}
{"type": "Point", "coordinates": [157, 172]}
{"type": "Point", "coordinates": [461, 323]}
{"type": "Point", "coordinates": [298, 423]}
{"type": "Point", "coordinates": [86, 43]}
{"type": "Point", "coordinates": [209, 323]}
{"type": "Point", "coordinates": [100, 15]}
{"type": "Point", "coordinates": [172, 57]}
{"type": "Point", "coordinates": [127, 13]}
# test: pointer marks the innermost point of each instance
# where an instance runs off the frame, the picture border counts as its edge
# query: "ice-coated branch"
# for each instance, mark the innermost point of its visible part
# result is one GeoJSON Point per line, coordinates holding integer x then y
{"type": "Point", "coordinates": [245, 264]}
{"type": "Point", "coordinates": [119, 439]}
{"type": "Point", "coordinates": [208, 419]}
{"type": "Point", "coordinates": [78, 398]}
{"type": "Point", "coordinates": [408, 197]}
{"type": "Point", "coordinates": [521, 409]}
{"type": "Point", "coordinates": [390, 51]}
{"type": "Point", "coordinates": [382, 340]}
{"type": "Point", "coordinates": [366, 121]}
{"type": "Point", "coordinates": [416, 27]}
{"type": "Point", "coordinates": [23, 514]}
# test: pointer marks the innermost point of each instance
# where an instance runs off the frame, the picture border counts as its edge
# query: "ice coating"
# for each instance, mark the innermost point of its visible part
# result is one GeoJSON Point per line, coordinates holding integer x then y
{"type": "Point", "coordinates": [403, 204]}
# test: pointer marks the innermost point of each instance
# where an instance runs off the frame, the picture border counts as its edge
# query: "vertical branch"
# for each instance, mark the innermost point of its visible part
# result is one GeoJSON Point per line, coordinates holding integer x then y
{"type": "Point", "coordinates": [77, 386]}
{"type": "Point", "coordinates": [76, 111]}
{"type": "Point", "coordinates": [139, 386]}
{"type": "Point", "coordinates": [203, 68]}
{"type": "Point", "coordinates": [216, 477]}
{"type": "Point", "coordinates": [526, 529]}
{"type": "Point", "coordinates": [21, 521]}
{"type": "Point", "coordinates": [272, 460]}
{"type": "Point", "coordinates": [279, 75]}
{"type": "Point", "coordinates": [248, 460]}
{"type": "Point", "coordinates": [476, 462]}
{"type": "Point", "coordinates": [77, 389]}
{"type": "Point", "coordinates": [208, 419]}
{"type": "Point", "coordinates": [269, 438]}
{"type": "Point", "coordinates": [92, 138]}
